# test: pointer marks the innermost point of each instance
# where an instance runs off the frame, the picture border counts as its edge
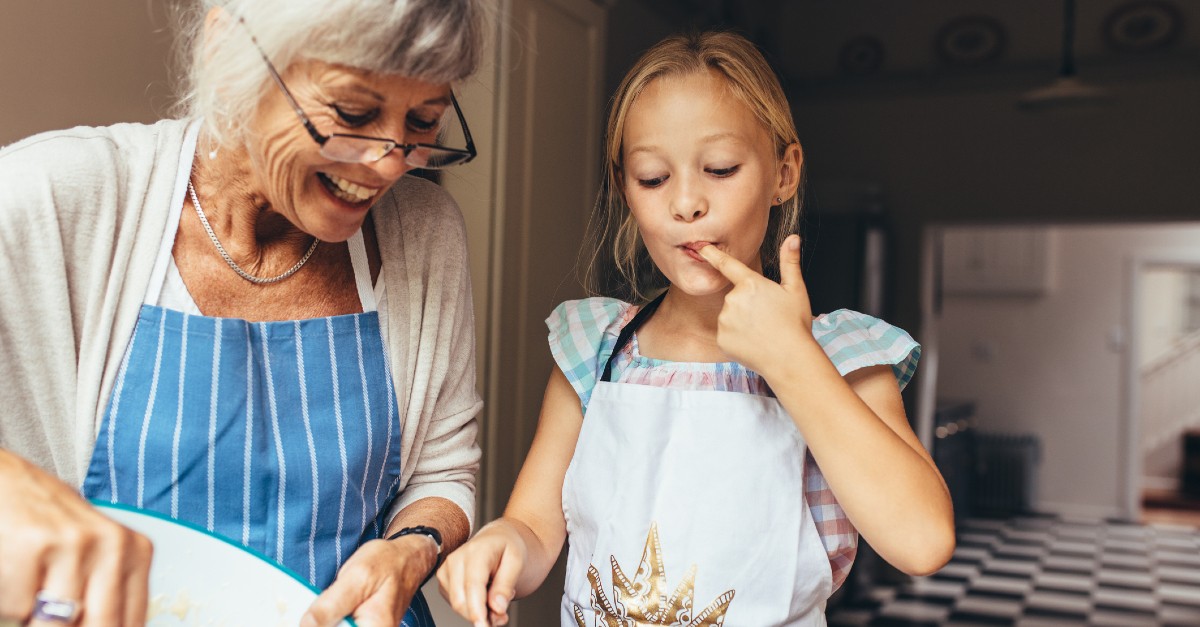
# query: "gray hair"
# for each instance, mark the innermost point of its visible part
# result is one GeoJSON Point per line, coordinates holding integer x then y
{"type": "Point", "coordinates": [224, 78]}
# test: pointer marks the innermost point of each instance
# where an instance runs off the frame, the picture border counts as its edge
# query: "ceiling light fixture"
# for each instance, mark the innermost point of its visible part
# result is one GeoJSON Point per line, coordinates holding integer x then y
{"type": "Point", "coordinates": [1068, 89]}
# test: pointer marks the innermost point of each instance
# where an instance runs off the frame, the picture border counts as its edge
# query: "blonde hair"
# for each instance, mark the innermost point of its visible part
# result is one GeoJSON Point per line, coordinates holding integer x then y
{"type": "Point", "coordinates": [224, 77]}
{"type": "Point", "coordinates": [616, 264]}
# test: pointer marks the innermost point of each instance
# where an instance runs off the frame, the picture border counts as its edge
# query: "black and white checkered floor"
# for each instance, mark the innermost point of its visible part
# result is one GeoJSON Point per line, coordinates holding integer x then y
{"type": "Point", "coordinates": [1042, 572]}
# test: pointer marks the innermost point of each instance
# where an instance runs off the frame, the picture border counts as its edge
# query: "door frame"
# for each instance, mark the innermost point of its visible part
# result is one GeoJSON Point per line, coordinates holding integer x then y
{"type": "Point", "coordinates": [1131, 453]}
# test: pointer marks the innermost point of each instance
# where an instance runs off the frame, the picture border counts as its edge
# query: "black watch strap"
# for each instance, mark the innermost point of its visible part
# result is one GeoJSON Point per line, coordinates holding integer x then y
{"type": "Point", "coordinates": [424, 531]}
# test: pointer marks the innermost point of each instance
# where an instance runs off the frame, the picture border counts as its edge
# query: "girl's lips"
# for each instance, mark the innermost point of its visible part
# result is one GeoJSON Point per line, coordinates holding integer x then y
{"type": "Point", "coordinates": [696, 246]}
{"type": "Point", "coordinates": [692, 249]}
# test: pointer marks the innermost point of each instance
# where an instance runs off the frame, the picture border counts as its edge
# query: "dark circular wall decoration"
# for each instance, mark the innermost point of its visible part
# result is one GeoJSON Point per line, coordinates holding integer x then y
{"type": "Point", "coordinates": [970, 41]}
{"type": "Point", "coordinates": [1142, 26]}
{"type": "Point", "coordinates": [861, 56]}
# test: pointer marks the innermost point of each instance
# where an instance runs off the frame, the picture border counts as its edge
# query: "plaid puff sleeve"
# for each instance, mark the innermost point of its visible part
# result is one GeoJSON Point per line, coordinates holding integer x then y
{"type": "Point", "coordinates": [854, 341]}
{"type": "Point", "coordinates": [582, 336]}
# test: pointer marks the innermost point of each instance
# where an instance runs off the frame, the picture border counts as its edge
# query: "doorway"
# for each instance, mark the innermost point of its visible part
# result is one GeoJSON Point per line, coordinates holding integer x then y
{"type": "Point", "coordinates": [1043, 344]}
{"type": "Point", "coordinates": [1164, 398]}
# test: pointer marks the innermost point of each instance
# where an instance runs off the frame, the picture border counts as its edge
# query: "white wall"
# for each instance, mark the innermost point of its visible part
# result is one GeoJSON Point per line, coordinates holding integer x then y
{"type": "Point", "coordinates": [1052, 365]}
{"type": "Point", "coordinates": [70, 62]}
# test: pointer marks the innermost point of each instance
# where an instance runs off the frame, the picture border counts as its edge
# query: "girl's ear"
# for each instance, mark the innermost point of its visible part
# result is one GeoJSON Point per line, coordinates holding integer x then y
{"type": "Point", "coordinates": [620, 176]}
{"type": "Point", "coordinates": [789, 171]}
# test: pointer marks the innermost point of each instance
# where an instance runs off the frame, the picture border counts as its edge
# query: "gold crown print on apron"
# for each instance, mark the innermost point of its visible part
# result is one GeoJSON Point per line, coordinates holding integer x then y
{"type": "Point", "coordinates": [643, 601]}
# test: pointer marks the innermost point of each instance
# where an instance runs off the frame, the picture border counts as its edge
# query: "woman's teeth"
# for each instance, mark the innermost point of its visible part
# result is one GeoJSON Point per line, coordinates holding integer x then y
{"type": "Point", "coordinates": [348, 191]}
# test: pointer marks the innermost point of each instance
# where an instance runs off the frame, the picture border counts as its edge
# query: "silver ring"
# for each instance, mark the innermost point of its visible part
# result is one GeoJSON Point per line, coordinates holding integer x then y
{"type": "Point", "coordinates": [53, 609]}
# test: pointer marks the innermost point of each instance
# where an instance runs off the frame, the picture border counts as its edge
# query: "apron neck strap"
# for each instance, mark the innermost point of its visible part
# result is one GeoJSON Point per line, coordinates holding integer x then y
{"type": "Point", "coordinates": [627, 333]}
{"type": "Point", "coordinates": [362, 271]}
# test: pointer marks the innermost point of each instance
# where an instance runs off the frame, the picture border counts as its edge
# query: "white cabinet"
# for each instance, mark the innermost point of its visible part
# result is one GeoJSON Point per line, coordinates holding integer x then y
{"type": "Point", "coordinates": [1014, 261]}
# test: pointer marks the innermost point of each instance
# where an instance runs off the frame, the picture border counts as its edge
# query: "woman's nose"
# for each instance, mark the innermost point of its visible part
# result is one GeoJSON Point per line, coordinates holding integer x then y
{"type": "Point", "coordinates": [392, 166]}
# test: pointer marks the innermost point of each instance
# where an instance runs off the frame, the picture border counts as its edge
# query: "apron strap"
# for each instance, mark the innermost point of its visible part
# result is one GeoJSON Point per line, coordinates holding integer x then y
{"type": "Point", "coordinates": [362, 271]}
{"type": "Point", "coordinates": [627, 333]}
{"type": "Point", "coordinates": [187, 155]}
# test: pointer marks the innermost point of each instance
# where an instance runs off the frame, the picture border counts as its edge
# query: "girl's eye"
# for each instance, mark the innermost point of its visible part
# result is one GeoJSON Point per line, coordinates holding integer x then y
{"type": "Point", "coordinates": [652, 183]}
{"type": "Point", "coordinates": [723, 172]}
{"type": "Point", "coordinates": [355, 119]}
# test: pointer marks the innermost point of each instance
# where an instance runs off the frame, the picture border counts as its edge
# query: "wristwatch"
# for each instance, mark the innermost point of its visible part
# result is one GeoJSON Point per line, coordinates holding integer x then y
{"type": "Point", "coordinates": [425, 531]}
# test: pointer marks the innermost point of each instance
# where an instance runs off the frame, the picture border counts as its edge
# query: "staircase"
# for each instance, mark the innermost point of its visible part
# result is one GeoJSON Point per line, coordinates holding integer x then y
{"type": "Point", "coordinates": [1169, 406]}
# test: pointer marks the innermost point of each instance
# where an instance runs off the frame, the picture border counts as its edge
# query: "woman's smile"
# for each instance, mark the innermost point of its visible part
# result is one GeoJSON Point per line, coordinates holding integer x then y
{"type": "Point", "coordinates": [347, 191]}
{"type": "Point", "coordinates": [321, 195]}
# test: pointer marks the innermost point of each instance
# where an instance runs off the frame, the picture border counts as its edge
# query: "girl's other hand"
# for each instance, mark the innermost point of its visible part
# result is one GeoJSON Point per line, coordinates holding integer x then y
{"type": "Point", "coordinates": [762, 321]}
{"type": "Point", "coordinates": [54, 542]}
{"type": "Point", "coordinates": [479, 580]}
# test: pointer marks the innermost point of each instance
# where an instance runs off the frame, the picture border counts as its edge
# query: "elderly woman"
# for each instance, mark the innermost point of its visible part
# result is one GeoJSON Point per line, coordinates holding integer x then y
{"type": "Point", "coordinates": [249, 318]}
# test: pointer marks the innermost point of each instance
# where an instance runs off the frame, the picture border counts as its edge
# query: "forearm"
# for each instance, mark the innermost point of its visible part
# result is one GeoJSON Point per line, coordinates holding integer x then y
{"type": "Point", "coordinates": [886, 483]}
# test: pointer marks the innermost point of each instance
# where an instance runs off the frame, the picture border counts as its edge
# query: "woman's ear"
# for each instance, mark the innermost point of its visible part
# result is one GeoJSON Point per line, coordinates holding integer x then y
{"type": "Point", "coordinates": [216, 22]}
{"type": "Point", "coordinates": [216, 19]}
{"type": "Point", "coordinates": [789, 171]}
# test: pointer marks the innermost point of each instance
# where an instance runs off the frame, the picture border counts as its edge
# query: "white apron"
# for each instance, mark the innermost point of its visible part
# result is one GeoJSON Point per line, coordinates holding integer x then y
{"type": "Point", "coordinates": [687, 508]}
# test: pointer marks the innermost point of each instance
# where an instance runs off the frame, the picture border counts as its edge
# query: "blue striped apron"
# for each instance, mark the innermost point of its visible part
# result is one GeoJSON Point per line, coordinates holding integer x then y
{"type": "Point", "coordinates": [283, 436]}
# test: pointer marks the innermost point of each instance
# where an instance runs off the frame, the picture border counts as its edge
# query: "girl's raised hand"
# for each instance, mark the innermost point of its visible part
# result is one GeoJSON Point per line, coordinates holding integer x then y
{"type": "Point", "coordinates": [480, 578]}
{"type": "Point", "coordinates": [762, 321]}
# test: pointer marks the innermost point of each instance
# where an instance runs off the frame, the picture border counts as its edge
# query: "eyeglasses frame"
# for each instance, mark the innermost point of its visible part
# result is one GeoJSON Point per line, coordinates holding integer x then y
{"type": "Point", "coordinates": [322, 139]}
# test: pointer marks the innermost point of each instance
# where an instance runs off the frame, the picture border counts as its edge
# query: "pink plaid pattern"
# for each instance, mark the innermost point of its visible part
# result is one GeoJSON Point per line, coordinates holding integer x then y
{"type": "Point", "coordinates": [836, 531]}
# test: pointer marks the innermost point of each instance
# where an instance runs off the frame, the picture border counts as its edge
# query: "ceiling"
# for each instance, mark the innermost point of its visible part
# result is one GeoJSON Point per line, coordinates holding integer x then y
{"type": "Point", "coordinates": [814, 41]}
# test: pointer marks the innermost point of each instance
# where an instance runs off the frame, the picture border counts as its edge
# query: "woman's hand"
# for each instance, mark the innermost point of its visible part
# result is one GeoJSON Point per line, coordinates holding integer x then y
{"type": "Point", "coordinates": [55, 543]}
{"type": "Point", "coordinates": [376, 585]}
{"type": "Point", "coordinates": [762, 321]}
{"type": "Point", "coordinates": [479, 580]}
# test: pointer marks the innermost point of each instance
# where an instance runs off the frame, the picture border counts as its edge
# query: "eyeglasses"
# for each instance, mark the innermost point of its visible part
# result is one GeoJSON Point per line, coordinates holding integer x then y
{"type": "Point", "coordinates": [349, 148]}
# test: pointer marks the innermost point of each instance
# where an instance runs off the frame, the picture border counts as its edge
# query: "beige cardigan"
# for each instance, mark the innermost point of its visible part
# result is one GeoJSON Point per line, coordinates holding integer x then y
{"type": "Point", "coordinates": [82, 215]}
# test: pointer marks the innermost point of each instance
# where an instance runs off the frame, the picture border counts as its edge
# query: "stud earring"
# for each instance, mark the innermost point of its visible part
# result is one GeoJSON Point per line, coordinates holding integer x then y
{"type": "Point", "coordinates": [212, 154]}
{"type": "Point", "coordinates": [779, 200]}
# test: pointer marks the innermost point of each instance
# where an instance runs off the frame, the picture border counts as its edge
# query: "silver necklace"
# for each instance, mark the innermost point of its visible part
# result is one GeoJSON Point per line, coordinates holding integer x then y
{"type": "Point", "coordinates": [233, 264]}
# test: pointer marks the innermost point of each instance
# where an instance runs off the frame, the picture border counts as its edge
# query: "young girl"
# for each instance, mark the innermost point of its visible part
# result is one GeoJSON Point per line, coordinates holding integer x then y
{"type": "Point", "coordinates": [679, 441]}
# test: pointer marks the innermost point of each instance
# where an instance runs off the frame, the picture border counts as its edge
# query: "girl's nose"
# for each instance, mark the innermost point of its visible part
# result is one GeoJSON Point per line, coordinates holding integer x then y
{"type": "Point", "coordinates": [688, 204]}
